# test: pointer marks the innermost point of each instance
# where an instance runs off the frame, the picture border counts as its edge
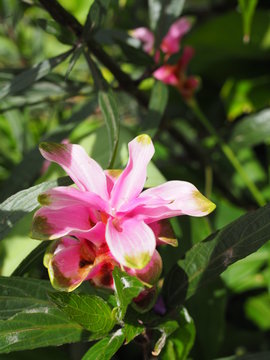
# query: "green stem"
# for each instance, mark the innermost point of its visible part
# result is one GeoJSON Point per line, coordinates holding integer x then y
{"type": "Point", "coordinates": [228, 153]}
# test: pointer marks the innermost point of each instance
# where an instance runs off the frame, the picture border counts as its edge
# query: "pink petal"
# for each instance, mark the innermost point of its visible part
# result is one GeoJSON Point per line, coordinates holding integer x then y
{"type": "Point", "coordinates": [84, 171]}
{"type": "Point", "coordinates": [187, 55]}
{"type": "Point", "coordinates": [69, 262]}
{"type": "Point", "coordinates": [51, 224]}
{"type": "Point", "coordinates": [171, 42]}
{"type": "Point", "coordinates": [130, 183]}
{"type": "Point", "coordinates": [63, 196]}
{"type": "Point", "coordinates": [111, 176]}
{"type": "Point", "coordinates": [146, 37]}
{"type": "Point", "coordinates": [131, 242]}
{"type": "Point", "coordinates": [176, 198]}
{"type": "Point", "coordinates": [167, 74]}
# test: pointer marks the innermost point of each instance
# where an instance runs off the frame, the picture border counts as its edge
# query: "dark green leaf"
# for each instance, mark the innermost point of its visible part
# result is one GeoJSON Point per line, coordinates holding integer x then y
{"type": "Point", "coordinates": [157, 105]}
{"type": "Point", "coordinates": [108, 107]}
{"type": "Point", "coordinates": [248, 8]}
{"type": "Point", "coordinates": [207, 259]}
{"type": "Point", "coordinates": [18, 294]}
{"type": "Point", "coordinates": [22, 203]}
{"type": "Point", "coordinates": [75, 56]}
{"type": "Point", "coordinates": [252, 130]}
{"type": "Point", "coordinates": [126, 288]}
{"type": "Point", "coordinates": [90, 311]}
{"type": "Point", "coordinates": [110, 113]}
{"type": "Point", "coordinates": [28, 77]}
{"type": "Point", "coordinates": [213, 300]}
{"type": "Point", "coordinates": [29, 320]}
{"type": "Point", "coordinates": [96, 14]}
{"type": "Point", "coordinates": [106, 348]}
{"type": "Point", "coordinates": [44, 327]}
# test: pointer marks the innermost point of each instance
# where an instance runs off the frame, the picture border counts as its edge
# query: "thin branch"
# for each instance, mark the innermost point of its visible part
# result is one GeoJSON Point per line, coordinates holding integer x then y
{"type": "Point", "coordinates": [64, 18]}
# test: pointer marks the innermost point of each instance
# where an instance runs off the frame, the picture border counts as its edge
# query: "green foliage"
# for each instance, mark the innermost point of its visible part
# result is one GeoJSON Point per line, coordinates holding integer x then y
{"type": "Point", "coordinates": [72, 71]}
{"type": "Point", "coordinates": [91, 312]}
{"type": "Point", "coordinates": [126, 289]}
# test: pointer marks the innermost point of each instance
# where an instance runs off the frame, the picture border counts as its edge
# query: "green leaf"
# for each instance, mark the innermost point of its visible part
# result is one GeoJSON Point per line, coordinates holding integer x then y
{"type": "Point", "coordinates": [157, 105]}
{"type": "Point", "coordinates": [257, 309]}
{"type": "Point", "coordinates": [22, 203]}
{"type": "Point", "coordinates": [248, 8]}
{"type": "Point", "coordinates": [213, 300]}
{"type": "Point", "coordinates": [29, 320]}
{"type": "Point", "coordinates": [110, 113]}
{"type": "Point", "coordinates": [96, 14]}
{"type": "Point", "coordinates": [30, 330]}
{"type": "Point", "coordinates": [252, 130]}
{"type": "Point", "coordinates": [255, 356]}
{"type": "Point", "coordinates": [28, 77]}
{"type": "Point", "coordinates": [207, 259]}
{"type": "Point", "coordinates": [90, 311]}
{"type": "Point", "coordinates": [18, 294]}
{"type": "Point", "coordinates": [108, 107]}
{"type": "Point", "coordinates": [27, 171]}
{"type": "Point", "coordinates": [106, 348]}
{"type": "Point", "coordinates": [75, 56]}
{"type": "Point", "coordinates": [166, 330]}
{"type": "Point", "coordinates": [180, 339]}
{"type": "Point", "coordinates": [126, 288]}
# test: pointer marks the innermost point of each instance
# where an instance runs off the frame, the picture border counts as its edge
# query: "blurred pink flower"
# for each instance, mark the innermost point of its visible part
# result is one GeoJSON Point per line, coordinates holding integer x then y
{"type": "Point", "coordinates": [174, 75]}
{"type": "Point", "coordinates": [109, 209]}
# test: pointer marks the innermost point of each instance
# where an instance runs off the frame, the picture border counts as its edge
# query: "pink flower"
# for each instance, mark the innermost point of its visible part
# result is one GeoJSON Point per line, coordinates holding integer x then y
{"type": "Point", "coordinates": [170, 43]}
{"type": "Point", "coordinates": [175, 75]}
{"type": "Point", "coordinates": [110, 207]}
{"type": "Point", "coordinates": [146, 37]}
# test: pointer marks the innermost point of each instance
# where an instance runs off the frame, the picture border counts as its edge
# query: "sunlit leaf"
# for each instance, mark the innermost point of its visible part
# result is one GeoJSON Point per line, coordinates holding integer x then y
{"type": "Point", "coordinates": [207, 259]}
{"type": "Point", "coordinates": [248, 8]}
{"type": "Point", "coordinates": [126, 288]}
{"type": "Point", "coordinates": [90, 311]}
{"type": "Point", "coordinates": [252, 130]}
{"type": "Point", "coordinates": [105, 348]}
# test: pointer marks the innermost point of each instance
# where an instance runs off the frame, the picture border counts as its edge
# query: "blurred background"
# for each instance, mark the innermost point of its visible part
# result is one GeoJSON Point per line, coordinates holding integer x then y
{"type": "Point", "coordinates": [56, 100]}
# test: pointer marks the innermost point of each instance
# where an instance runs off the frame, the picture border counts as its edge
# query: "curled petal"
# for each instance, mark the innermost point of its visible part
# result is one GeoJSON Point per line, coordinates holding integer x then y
{"type": "Point", "coordinates": [84, 171]}
{"type": "Point", "coordinates": [131, 242]}
{"type": "Point", "coordinates": [63, 196]}
{"type": "Point", "coordinates": [130, 183]}
{"type": "Point", "coordinates": [151, 272]}
{"type": "Point", "coordinates": [51, 224]}
{"type": "Point", "coordinates": [176, 198]}
{"type": "Point", "coordinates": [69, 262]}
{"type": "Point", "coordinates": [146, 37]}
